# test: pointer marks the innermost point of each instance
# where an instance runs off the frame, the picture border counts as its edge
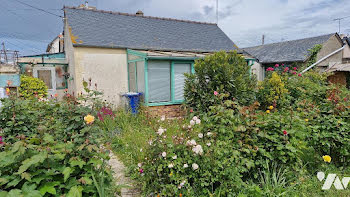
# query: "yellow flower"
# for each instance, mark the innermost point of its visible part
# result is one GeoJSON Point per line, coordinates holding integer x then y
{"type": "Point", "coordinates": [327, 158]}
{"type": "Point", "coordinates": [306, 120]}
{"type": "Point", "coordinates": [271, 107]}
{"type": "Point", "coordinates": [171, 174]}
{"type": "Point", "coordinates": [7, 91]}
{"type": "Point", "coordinates": [89, 119]}
{"type": "Point", "coordinates": [268, 111]}
{"type": "Point", "coordinates": [339, 122]}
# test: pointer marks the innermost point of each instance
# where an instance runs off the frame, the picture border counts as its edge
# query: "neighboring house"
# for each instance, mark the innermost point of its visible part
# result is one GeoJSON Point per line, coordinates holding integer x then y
{"type": "Point", "coordinates": [51, 68]}
{"type": "Point", "coordinates": [122, 53]}
{"type": "Point", "coordinates": [56, 45]}
{"type": "Point", "coordinates": [297, 52]}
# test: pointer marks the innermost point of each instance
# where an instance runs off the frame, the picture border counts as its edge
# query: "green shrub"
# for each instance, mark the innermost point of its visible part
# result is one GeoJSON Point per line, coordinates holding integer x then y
{"type": "Point", "coordinates": [32, 87]}
{"type": "Point", "coordinates": [221, 72]}
{"type": "Point", "coordinates": [51, 148]}
{"type": "Point", "coordinates": [272, 91]}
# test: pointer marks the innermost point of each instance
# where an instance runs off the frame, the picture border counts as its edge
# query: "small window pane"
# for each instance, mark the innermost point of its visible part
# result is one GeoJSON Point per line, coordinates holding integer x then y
{"type": "Point", "coordinates": [159, 81]}
{"type": "Point", "coordinates": [132, 77]}
{"type": "Point", "coordinates": [179, 81]}
{"type": "Point", "coordinates": [60, 81]}
{"type": "Point", "coordinates": [140, 76]}
{"type": "Point", "coordinates": [45, 75]}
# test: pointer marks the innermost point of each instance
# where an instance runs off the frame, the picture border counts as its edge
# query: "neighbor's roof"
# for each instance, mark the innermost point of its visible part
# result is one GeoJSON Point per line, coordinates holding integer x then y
{"type": "Point", "coordinates": [288, 51]}
{"type": "Point", "coordinates": [99, 28]}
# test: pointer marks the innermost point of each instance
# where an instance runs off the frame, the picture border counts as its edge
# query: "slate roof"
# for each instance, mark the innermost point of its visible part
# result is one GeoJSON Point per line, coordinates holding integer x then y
{"type": "Point", "coordinates": [288, 51]}
{"type": "Point", "coordinates": [99, 28]}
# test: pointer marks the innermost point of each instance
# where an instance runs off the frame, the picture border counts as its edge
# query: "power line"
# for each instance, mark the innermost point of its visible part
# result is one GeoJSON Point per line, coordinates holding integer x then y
{"type": "Point", "coordinates": [38, 8]}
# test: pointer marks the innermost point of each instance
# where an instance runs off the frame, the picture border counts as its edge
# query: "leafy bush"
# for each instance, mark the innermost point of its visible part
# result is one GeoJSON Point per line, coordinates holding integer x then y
{"type": "Point", "coordinates": [51, 147]}
{"type": "Point", "coordinates": [221, 72]}
{"type": "Point", "coordinates": [272, 91]}
{"type": "Point", "coordinates": [32, 87]}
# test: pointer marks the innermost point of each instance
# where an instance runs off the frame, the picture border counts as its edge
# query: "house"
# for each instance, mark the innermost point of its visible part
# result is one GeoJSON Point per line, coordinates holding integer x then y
{"type": "Point", "coordinates": [50, 67]}
{"type": "Point", "coordinates": [296, 52]}
{"type": "Point", "coordinates": [122, 53]}
{"type": "Point", "coordinates": [56, 45]}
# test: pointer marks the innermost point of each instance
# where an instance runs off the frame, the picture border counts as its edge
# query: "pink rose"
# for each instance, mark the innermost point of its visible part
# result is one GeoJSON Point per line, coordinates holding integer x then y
{"type": "Point", "coordinates": [216, 93]}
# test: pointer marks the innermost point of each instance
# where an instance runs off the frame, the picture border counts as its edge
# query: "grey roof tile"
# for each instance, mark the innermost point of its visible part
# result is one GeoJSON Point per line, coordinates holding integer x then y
{"type": "Point", "coordinates": [288, 51]}
{"type": "Point", "coordinates": [120, 30]}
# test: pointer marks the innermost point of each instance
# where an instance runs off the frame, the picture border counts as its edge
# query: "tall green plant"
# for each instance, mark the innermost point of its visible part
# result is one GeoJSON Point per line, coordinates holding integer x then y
{"type": "Point", "coordinates": [222, 72]}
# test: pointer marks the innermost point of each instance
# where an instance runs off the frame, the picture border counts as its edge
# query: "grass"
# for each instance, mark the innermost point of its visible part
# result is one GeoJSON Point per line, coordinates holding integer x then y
{"type": "Point", "coordinates": [136, 131]}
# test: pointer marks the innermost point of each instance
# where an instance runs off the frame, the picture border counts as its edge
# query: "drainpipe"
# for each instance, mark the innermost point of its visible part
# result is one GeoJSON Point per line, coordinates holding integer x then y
{"type": "Point", "coordinates": [319, 61]}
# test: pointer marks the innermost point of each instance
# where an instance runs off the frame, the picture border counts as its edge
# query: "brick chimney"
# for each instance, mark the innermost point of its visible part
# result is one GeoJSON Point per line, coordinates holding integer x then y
{"type": "Point", "coordinates": [139, 13]}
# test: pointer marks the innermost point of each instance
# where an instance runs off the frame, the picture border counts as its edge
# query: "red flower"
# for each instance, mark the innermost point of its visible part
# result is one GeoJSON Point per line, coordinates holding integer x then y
{"type": "Point", "coordinates": [270, 69]}
{"type": "Point", "coordinates": [295, 68]}
{"type": "Point", "coordinates": [141, 170]}
{"type": "Point", "coordinates": [299, 75]}
{"type": "Point", "coordinates": [294, 73]}
{"type": "Point", "coordinates": [286, 69]}
{"type": "Point", "coordinates": [285, 132]}
{"type": "Point", "coordinates": [1, 142]}
{"type": "Point", "coordinates": [191, 110]}
{"type": "Point", "coordinates": [277, 65]}
{"type": "Point", "coordinates": [216, 93]}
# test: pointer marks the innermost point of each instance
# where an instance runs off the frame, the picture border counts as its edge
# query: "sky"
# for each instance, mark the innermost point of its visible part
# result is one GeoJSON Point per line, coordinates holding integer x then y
{"type": "Point", "coordinates": [29, 30]}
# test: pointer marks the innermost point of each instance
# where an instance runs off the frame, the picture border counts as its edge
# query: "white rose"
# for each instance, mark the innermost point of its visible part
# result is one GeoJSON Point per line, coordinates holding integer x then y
{"type": "Point", "coordinates": [185, 165]}
{"type": "Point", "coordinates": [200, 135]}
{"type": "Point", "coordinates": [175, 157]}
{"type": "Point", "coordinates": [139, 165]}
{"type": "Point", "coordinates": [209, 134]}
{"type": "Point", "coordinates": [189, 126]}
{"type": "Point", "coordinates": [192, 122]}
{"type": "Point", "coordinates": [193, 142]}
{"type": "Point", "coordinates": [171, 165]}
{"type": "Point", "coordinates": [164, 154]}
{"type": "Point", "coordinates": [208, 144]}
{"type": "Point", "coordinates": [195, 118]}
{"type": "Point", "coordinates": [198, 149]}
{"type": "Point", "coordinates": [195, 166]}
{"type": "Point", "coordinates": [198, 121]}
{"type": "Point", "coordinates": [160, 131]}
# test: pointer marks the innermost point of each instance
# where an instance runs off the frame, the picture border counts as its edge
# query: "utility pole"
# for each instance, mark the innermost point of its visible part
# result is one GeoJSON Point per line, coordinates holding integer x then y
{"type": "Point", "coordinates": [5, 55]}
{"type": "Point", "coordinates": [217, 12]}
{"type": "Point", "coordinates": [263, 40]}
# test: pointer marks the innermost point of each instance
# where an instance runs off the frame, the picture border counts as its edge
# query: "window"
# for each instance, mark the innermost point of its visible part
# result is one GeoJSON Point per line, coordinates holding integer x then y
{"type": "Point", "coordinates": [166, 81]}
{"type": "Point", "coordinates": [179, 79]}
{"type": "Point", "coordinates": [159, 81]}
{"type": "Point", "coordinates": [132, 77]}
{"type": "Point", "coordinates": [45, 75]}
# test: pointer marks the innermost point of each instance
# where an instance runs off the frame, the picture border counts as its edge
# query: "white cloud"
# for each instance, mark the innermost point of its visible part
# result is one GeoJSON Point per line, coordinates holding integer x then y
{"type": "Point", "coordinates": [244, 21]}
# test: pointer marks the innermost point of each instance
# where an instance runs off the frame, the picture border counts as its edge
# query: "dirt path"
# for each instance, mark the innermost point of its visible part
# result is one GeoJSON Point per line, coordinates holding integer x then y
{"type": "Point", "coordinates": [119, 175]}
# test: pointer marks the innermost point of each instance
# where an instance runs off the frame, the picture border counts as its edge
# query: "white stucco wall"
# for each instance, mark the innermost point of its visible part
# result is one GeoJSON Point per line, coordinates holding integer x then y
{"type": "Point", "coordinates": [258, 70]}
{"type": "Point", "coordinates": [105, 67]}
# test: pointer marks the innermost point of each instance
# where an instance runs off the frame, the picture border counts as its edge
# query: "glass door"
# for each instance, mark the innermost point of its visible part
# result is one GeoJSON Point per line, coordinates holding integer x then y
{"type": "Point", "coordinates": [47, 74]}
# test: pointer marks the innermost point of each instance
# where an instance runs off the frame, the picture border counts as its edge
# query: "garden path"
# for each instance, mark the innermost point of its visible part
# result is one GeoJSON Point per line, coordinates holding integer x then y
{"type": "Point", "coordinates": [128, 189]}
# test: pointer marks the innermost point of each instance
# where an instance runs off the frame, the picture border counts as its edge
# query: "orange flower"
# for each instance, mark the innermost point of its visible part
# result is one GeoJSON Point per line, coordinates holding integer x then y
{"type": "Point", "coordinates": [180, 195]}
{"type": "Point", "coordinates": [56, 95]}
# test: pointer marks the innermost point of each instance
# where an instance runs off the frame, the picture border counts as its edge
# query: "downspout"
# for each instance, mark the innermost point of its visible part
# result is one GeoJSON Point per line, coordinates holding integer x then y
{"type": "Point", "coordinates": [319, 61]}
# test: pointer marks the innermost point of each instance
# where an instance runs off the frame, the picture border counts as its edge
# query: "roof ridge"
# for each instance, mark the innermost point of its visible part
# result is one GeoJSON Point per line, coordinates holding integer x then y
{"type": "Point", "coordinates": [289, 41]}
{"type": "Point", "coordinates": [127, 14]}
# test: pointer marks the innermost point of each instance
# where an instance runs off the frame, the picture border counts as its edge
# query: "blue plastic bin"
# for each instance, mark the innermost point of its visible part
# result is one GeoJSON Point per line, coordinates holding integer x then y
{"type": "Point", "coordinates": [134, 101]}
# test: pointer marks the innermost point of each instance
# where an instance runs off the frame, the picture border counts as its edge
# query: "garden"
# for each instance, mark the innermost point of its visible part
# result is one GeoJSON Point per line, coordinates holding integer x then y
{"type": "Point", "coordinates": [239, 137]}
